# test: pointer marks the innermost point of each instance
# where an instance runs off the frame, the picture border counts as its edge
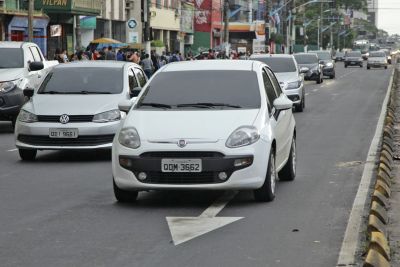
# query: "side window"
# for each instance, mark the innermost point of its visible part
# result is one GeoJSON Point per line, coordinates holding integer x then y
{"type": "Point", "coordinates": [275, 82]}
{"type": "Point", "coordinates": [141, 77]}
{"type": "Point", "coordinates": [132, 80]}
{"type": "Point", "coordinates": [29, 56]}
{"type": "Point", "coordinates": [269, 88]}
{"type": "Point", "coordinates": [36, 54]}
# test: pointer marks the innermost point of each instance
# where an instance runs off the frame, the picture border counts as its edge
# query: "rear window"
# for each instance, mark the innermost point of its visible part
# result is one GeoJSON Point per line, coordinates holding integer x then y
{"type": "Point", "coordinates": [180, 89]}
{"type": "Point", "coordinates": [377, 54]}
{"type": "Point", "coordinates": [83, 80]}
{"type": "Point", "coordinates": [278, 64]}
{"type": "Point", "coordinates": [306, 58]}
{"type": "Point", "coordinates": [322, 55]}
{"type": "Point", "coordinates": [11, 58]}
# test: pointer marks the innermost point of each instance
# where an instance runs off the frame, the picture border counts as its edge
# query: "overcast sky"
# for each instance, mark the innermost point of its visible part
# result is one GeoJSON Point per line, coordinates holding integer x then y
{"type": "Point", "coordinates": [388, 15]}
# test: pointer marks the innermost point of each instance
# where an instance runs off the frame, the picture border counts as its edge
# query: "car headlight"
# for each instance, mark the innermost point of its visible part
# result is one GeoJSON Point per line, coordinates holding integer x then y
{"type": "Point", "coordinates": [129, 137]}
{"type": "Point", "coordinates": [25, 116]}
{"type": "Point", "coordinates": [329, 65]}
{"type": "Point", "coordinates": [7, 86]}
{"type": "Point", "coordinates": [112, 115]}
{"type": "Point", "coordinates": [243, 136]}
{"type": "Point", "coordinates": [294, 85]}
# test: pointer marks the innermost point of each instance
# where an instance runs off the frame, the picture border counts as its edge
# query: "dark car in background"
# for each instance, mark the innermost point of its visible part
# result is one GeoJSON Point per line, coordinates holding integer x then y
{"type": "Point", "coordinates": [311, 66]}
{"type": "Point", "coordinates": [339, 56]}
{"type": "Point", "coordinates": [353, 58]}
{"type": "Point", "coordinates": [328, 65]}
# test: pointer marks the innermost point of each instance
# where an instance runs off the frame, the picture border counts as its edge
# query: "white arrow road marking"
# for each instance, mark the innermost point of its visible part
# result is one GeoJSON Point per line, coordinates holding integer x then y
{"type": "Point", "coordinates": [186, 228]}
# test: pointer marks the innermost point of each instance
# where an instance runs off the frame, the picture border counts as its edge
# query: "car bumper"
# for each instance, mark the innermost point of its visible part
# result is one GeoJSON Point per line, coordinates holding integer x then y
{"type": "Point", "coordinates": [313, 76]}
{"type": "Point", "coordinates": [249, 177]}
{"type": "Point", "coordinates": [90, 136]}
{"type": "Point", "coordinates": [11, 103]}
{"type": "Point", "coordinates": [328, 71]}
{"type": "Point", "coordinates": [296, 95]}
{"type": "Point", "coordinates": [376, 65]}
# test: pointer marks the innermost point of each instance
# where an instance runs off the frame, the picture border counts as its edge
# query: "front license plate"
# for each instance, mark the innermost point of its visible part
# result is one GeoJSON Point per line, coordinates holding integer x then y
{"type": "Point", "coordinates": [181, 165]}
{"type": "Point", "coordinates": [63, 133]}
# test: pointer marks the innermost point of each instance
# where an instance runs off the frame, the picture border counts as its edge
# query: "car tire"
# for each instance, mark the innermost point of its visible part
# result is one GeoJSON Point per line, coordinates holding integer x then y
{"type": "Point", "coordinates": [266, 192]}
{"type": "Point", "coordinates": [27, 154]}
{"type": "Point", "coordinates": [288, 172]}
{"type": "Point", "coordinates": [13, 122]}
{"type": "Point", "coordinates": [385, 67]}
{"type": "Point", "coordinates": [368, 67]}
{"type": "Point", "coordinates": [124, 196]}
{"type": "Point", "coordinates": [332, 76]}
{"type": "Point", "coordinates": [361, 65]}
{"type": "Point", "coordinates": [345, 65]}
{"type": "Point", "coordinates": [300, 107]}
{"type": "Point", "coordinates": [319, 80]}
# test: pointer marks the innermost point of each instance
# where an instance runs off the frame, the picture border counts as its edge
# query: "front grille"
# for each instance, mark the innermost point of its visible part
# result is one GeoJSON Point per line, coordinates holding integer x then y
{"type": "Point", "coordinates": [182, 154]}
{"type": "Point", "coordinates": [72, 118]}
{"type": "Point", "coordinates": [83, 140]}
{"type": "Point", "coordinates": [182, 178]}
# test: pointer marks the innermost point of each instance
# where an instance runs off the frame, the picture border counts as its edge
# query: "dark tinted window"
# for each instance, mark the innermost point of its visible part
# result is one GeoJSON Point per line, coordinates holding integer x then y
{"type": "Point", "coordinates": [353, 54]}
{"type": "Point", "coordinates": [275, 82]}
{"type": "Point", "coordinates": [306, 59]}
{"type": "Point", "coordinates": [11, 58]}
{"type": "Point", "coordinates": [133, 83]}
{"type": "Point", "coordinates": [36, 54]}
{"type": "Point", "coordinates": [78, 80]}
{"type": "Point", "coordinates": [322, 55]}
{"type": "Point", "coordinates": [377, 54]}
{"type": "Point", "coordinates": [237, 88]}
{"type": "Point", "coordinates": [279, 64]}
{"type": "Point", "coordinates": [141, 77]}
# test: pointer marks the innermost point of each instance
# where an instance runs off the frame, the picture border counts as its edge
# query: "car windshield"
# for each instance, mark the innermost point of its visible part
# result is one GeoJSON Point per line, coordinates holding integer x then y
{"type": "Point", "coordinates": [322, 55]}
{"type": "Point", "coordinates": [83, 80]}
{"type": "Point", "coordinates": [11, 58]}
{"type": "Point", "coordinates": [279, 64]}
{"type": "Point", "coordinates": [205, 89]}
{"type": "Point", "coordinates": [306, 59]}
{"type": "Point", "coordinates": [353, 54]}
{"type": "Point", "coordinates": [339, 54]}
{"type": "Point", "coordinates": [377, 54]}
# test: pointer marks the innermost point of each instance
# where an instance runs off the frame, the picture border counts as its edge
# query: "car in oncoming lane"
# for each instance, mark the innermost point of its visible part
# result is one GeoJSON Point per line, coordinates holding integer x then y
{"type": "Point", "coordinates": [309, 64]}
{"type": "Point", "coordinates": [377, 59]}
{"type": "Point", "coordinates": [353, 58]}
{"type": "Point", "coordinates": [289, 76]}
{"type": "Point", "coordinates": [187, 132]}
{"type": "Point", "coordinates": [339, 56]}
{"type": "Point", "coordinates": [76, 107]}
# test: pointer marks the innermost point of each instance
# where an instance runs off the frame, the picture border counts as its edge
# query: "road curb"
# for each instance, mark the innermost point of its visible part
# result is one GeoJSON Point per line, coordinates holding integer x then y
{"type": "Point", "coordinates": [378, 250]}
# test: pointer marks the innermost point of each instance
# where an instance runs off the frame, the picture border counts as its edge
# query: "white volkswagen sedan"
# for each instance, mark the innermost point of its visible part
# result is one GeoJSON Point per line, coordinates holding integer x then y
{"type": "Point", "coordinates": [76, 107]}
{"type": "Point", "coordinates": [217, 124]}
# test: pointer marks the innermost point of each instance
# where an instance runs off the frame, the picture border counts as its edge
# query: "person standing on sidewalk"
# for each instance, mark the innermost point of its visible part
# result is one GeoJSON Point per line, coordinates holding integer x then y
{"type": "Point", "coordinates": [147, 65]}
{"type": "Point", "coordinates": [110, 55]}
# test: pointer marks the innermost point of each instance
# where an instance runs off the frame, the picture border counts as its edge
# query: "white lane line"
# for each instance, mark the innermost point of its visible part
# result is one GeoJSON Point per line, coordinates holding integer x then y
{"type": "Point", "coordinates": [11, 150]}
{"type": "Point", "coordinates": [347, 74]}
{"type": "Point", "coordinates": [347, 255]}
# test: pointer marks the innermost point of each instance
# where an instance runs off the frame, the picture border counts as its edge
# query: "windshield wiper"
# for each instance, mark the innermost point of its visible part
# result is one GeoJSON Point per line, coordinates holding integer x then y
{"type": "Point", "coordinates": [91, 92]}
{"type": "Point", "coordinates": [209, 105]}
{"type": "Point", "coordinates": [155, 105]}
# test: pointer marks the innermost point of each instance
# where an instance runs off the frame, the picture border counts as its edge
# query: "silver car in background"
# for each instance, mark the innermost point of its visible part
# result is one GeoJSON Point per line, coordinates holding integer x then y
{"type": "Point", "coordinates": [76, 107]}
{"type": "Point", "coordinates": [288, 74]}
{"type": "Point", "coordinates": [377, 59]}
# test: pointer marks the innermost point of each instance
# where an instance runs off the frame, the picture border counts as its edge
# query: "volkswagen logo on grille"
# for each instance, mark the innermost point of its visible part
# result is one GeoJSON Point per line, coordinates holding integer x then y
{"type": "Point", "coordinates": [64, 119]}
{"type": "Point", "coordinates": [182, 143]}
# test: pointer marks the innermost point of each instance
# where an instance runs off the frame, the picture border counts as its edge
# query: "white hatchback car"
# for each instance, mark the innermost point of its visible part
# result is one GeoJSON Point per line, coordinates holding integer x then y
{"type": "Point", "coordinates": [76, 107]}
{"type": "Point", "coordinates": [220, 124]}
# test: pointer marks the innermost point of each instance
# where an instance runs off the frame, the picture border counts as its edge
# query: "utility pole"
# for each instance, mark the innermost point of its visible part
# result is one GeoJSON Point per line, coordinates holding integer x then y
{"type": "Point", "coordinates": [319, 30]}
{"type": "Point", "coordinates": [226, 22]}
{"type": "Point", "coordinates": [267, 26]}
{"type": "Point", "coordinates": [30, 20]}
{"type": "Point", "coordinates": [321, 22]}
{"type": "Point", "coordinates": [147, 34]}
{"type": "Point", "coordinates": [78, 33]}
{"type": "Point", "coordinates": [331, 37]}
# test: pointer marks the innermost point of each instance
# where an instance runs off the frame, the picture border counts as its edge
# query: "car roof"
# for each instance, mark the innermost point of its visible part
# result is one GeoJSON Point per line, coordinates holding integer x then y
{"type": "Point", "coordinates": [11, 44]}
{"type": "Point", "coordinates": [96, 64]}
{"type": "Point", "coordinates": [255, 56]}
{"type": "Point", "coordinates": [243, 65]}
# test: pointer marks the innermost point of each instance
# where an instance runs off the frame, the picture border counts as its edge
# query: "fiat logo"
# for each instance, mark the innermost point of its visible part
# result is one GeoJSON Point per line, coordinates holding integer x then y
{"type": "Point", "coordinates": [182, 143]}
{"type": "Point", "coordinates": [64, 119]}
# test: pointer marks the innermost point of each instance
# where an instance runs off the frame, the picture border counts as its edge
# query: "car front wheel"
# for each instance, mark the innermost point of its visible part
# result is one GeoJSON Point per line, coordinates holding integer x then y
{"type": "Point", "coordinates": [288, 173]}
{"type": "Point", "coordinates": [266, 192]}
{"type": "Point", "coordinates": [27, 154]}
{"type": "Point", "coordinates": [124, 195]}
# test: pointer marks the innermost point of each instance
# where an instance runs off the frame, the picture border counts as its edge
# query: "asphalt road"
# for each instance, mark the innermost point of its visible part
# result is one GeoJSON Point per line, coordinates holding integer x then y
{"type": "Point", "coordinates": [60, 210]}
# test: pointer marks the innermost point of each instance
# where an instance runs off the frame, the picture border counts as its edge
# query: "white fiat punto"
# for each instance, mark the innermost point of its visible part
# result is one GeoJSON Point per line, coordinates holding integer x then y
{"type": "Point", "coordinates": [221, 124]}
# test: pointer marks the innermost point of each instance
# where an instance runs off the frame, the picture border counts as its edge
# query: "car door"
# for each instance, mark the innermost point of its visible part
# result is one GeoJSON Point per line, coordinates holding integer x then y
{"type": "Point", "coordinates": [284, 119]}
{"type": "Point", "coordinates": [275, 117]}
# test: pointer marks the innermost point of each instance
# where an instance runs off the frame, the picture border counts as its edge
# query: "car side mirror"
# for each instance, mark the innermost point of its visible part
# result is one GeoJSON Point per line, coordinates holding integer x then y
{"type": "Point", "coordinates": [304, 70]}
{"type": "Point", "coordinates": [283, 103]}
{"type": "Point", "coordinates": [125, 105]}
{"type": "Point", "coordinates": [35, 66]}
{"type": "Point", "coordinates": [135, 91]}
{"type": "Point", "coordinates": [28, 92]}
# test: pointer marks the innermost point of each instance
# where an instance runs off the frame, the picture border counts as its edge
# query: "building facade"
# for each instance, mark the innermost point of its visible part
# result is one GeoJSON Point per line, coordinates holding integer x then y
{"type": "Point", "coordinates": [111, 22]}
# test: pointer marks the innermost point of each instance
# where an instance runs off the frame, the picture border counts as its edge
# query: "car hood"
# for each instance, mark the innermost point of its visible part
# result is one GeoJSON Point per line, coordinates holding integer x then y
{"type": "Point", "coordinates": [213, 125]}
{"type": "Point", "coordinates": [11, 74]}
{"type": "Point", "coordinates": [287, 77]}
{"type": "Point", "coordinates": [72, 104]}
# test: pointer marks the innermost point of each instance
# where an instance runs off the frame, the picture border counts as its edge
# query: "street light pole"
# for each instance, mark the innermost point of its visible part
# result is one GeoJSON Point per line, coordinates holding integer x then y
{"type": "Point", "coordinates": [30, 20]}
{"type": "Point", "coordinates": [226, 21]}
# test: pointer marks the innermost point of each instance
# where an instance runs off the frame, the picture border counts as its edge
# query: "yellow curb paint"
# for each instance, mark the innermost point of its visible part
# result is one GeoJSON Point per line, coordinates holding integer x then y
{"type": "Point", "coordinates": [375, 259]}
{"type": "Point", "coordinates": [381, 199]}
{"type": "Point", "coordinates": [379, 211]}
{"type": "Point", "coordinates": [375, 225]}
{"type": "Point", "coordinates": [383, 188]}
{"type": "Point", "coordinates": [386, 162]}
{"type": "Point", "coordinates": [380, 244]}
{"type": "Point", "coordinates": [385, 168]}
{"type": "Point", "coordinates": [387, 148]}
{"type": "Point", "coordinates": [386, 155]}
{"type": "Point", "coordinates": [385, 178]}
